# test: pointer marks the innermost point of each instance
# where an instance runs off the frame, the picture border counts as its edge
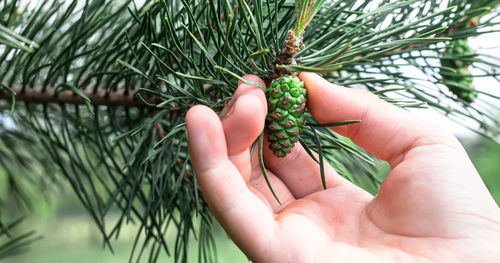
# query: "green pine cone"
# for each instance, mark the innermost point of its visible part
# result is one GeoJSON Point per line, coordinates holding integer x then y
{"type": "Point", "coordinates": [286, 98]}
{"type": "Point", "coordinates": [460, 50]}
{"type": "Point", "coordinates": [457, 87]}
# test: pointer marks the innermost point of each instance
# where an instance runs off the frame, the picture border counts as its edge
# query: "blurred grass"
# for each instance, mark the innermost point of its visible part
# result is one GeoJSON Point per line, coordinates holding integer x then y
{"type": "Point", "coordinates": [485, 154]}
{"type": "Point", "coordinates": [71, 236]}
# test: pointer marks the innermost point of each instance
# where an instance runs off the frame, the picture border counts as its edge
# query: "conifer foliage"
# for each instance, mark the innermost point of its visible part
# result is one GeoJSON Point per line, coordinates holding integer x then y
{"type": "Point", "coordinates": [93, 94]}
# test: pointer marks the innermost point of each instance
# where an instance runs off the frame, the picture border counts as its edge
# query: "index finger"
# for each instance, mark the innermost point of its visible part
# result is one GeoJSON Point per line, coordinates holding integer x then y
{"type": "Point", "coordinates": [385, 130]}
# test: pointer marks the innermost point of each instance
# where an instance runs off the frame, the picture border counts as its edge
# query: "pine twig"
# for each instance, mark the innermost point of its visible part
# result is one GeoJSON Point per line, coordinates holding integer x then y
{"type": "Point", "coordinates": [39, 94]}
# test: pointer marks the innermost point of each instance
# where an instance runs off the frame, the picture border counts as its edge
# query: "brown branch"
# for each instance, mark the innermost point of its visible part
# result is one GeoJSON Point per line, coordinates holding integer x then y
{"type": "Point", "coordinates": [36, 94]}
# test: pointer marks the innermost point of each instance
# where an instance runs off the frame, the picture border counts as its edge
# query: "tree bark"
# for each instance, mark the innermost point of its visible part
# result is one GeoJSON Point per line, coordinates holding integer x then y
{"type": "Point", "coordinates": [37, 94]}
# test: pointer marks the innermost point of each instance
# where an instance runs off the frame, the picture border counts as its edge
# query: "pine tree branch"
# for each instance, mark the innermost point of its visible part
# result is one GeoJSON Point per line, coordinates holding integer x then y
{"type": "Point", "coordinates": [100, 96]}
{"type": "Point", "coordinates": [137, 161]}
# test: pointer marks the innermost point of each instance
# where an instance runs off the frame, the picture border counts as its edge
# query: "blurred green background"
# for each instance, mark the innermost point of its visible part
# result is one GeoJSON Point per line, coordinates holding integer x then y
{"type": "Point", "coordinates": [69, 234]}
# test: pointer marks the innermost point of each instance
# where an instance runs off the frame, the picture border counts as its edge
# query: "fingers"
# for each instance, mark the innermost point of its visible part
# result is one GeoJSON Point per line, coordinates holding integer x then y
{"type": "Point", "coordinates": [244, 88]}
{"type": "Point", "coordinates": [244, 216]}
{"type": "Point", "coordinates": [207, 143]}
{"type": "Point", "coordinates": [386, 131]}
{"type": "Point", "coordinates": [260, 186]}
{"type": "Point", "coordinates": [300, 172]}
{"type": "Point", "coordinates": [243, 121]}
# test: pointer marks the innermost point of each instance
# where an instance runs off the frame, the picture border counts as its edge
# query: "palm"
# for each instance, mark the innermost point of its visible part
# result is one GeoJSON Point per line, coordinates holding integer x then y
{"type": "Point", "coordinates": [433, 205]}
{"type": "Point", "coordinates": [345, 222]}
{"type": "Point", "coordinates": [323, 221]}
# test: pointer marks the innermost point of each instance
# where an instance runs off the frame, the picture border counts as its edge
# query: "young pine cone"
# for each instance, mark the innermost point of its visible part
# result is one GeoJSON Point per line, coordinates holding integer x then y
{"type": "Point", "coordinates": [286, 98]}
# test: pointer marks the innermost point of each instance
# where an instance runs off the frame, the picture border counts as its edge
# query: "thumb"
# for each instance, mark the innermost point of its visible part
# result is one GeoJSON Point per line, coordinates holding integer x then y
{"type": "Point", "coordinates": [385, 130]}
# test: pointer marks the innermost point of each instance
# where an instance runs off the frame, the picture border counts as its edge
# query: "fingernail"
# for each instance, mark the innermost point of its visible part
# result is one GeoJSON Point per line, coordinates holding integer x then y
{"type": "Point", "coordinates": [229, 109]}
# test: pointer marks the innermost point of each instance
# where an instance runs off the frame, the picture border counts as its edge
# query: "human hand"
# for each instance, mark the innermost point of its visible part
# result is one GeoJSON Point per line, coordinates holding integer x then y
{"type": "Point", "coordinates": [433, 206]}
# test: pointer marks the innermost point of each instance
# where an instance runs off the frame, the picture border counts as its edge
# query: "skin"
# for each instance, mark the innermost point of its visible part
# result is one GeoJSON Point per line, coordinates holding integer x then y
{"type": "Point", "coordinates": [433, 206]}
